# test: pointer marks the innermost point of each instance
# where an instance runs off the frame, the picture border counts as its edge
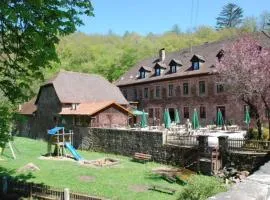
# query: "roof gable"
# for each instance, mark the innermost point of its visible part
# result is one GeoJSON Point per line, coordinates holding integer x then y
{"type": "Point", "coordinates": [144, 68]}
{"type": "Point", "coordinates": [175, 62]}
{"type": "Point", "coordinates": [197, 57]}
{"type": "Point", "coordinates": [160, 65]}
{"type": "Point", "coordinates": [92, 108]}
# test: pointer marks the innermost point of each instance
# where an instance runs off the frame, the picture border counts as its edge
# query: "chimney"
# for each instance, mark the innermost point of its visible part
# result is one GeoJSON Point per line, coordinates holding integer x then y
{"type": "Point", "coordinates": [162, 55]}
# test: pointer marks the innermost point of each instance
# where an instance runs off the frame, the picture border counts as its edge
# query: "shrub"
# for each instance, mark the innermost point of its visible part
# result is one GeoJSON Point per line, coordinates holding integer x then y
{"type": "Point", "coordinates": [201, 187]}
{"type": "Point", "coordinates": [253, 134]}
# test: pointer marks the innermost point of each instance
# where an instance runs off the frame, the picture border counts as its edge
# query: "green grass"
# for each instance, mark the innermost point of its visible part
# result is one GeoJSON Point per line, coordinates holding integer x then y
{"type": "Point", "coordinates": [110, 182]}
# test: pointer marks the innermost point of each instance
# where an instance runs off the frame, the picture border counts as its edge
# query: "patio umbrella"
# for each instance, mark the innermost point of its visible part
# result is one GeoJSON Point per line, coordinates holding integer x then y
{"type": "Point", "coordinates": [167, 119]}
{"type": "Point", "coordinates": [138, 113]}
{"type": "Point", "coordinates": [247, 118]}
{"type": "Point", "coordinates": [195, 120]}
{"type": "Point", "coordinates": [143, 120]}
{"type": "Point", "coordinates": [220, 121]}
{"type": "Point", "coordinates": [176, 117]}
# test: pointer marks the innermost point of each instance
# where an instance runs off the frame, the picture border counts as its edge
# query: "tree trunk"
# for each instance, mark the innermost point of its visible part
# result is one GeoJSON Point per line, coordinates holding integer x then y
{"type": "Point", "coordinates": [254, 109]}
{"type": "Point", "coordinates": [259, 127]}
{"type": "Point", "coordinates": [268, 126]}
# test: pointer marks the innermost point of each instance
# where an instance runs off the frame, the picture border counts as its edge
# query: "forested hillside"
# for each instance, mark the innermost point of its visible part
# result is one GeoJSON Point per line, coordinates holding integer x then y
{"type": "Point", "coordinates": [111, 55]}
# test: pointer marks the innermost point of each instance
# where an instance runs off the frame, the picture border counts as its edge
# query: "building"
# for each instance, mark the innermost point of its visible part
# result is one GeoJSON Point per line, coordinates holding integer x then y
{"type": "Point", "coordinates": [73, 100]}
{"type": "Point", "coordinates": [183, 80]}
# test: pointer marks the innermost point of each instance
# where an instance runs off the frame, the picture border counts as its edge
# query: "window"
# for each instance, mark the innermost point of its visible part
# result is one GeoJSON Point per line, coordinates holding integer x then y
{"type": "Point", "coordinates": [196, 65]}
{"type": "Point", "coordinates": [151, 112]}
{"type": "Point", "coordinates": [146, 93]}
{"type": "Point", "coordinates": [125, 93]}
{"type": "Point", "coordinates": [220, 88]}
{"type": "Point", "coordinates": [201, 87]}
{"type": "Point", "coordinates": [170, 94]}
{"type": "Point", "coordinates": [173, 69]}
{"type": "Point", "coordinates": [186, 112]}
{"type": "Point", "coordinates": [157, 91]}
{"type": "Point", "coordinates": [157, 71]}
{"type": "Point", "coordinates": [157, 113]}
{"type": "Point", "coordinates": [202, 112]}
{"type": "Point", "coordinates": [142, 74]}
{"type": "Point", "coordinates": [185, 88]}
{"type": "Point", "coordinates": [135, 94]}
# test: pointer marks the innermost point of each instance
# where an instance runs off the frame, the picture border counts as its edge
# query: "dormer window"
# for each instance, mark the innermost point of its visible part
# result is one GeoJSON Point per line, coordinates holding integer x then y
{"type": "Point", "coordinates": [159, 68]}
{"type": "Point", "coordinates": [196, 65]}
{"type": "Point", "coordinates": [220, 55]}
{"type": "Point", "coordinates": [157, 71]}
{"type": "Point", "coordinates": [174, 64]}
{"type": "Point", "coordinates": [197, 61]}
{"type": "Point", "coordinates": [143, 72]}
{"type": "Point", "coordinates": [173, 69]}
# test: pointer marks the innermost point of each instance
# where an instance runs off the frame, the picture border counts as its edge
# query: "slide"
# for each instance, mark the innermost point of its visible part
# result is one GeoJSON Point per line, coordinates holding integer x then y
{"type": "Point", "coordinates": [73, 151]}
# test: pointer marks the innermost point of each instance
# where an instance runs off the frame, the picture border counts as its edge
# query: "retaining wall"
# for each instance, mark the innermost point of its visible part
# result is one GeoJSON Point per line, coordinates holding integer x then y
{"type": "Point", "coordinates": [127, 142]}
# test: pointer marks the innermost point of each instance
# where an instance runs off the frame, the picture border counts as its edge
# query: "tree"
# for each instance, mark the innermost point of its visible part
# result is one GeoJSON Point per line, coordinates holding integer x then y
{"type": "Point", "coordinates": [230, 16]}
{"type": "Point", "coordinates": [265, 21]}
{"type": "Point", "coordinates": [29, 32]}
{"type": "Point", "coordinates": [245, 71]}
{"type": "Point", "coordinates": [176, 29]}
{"type": "Point", "coordinates": [249, 24]}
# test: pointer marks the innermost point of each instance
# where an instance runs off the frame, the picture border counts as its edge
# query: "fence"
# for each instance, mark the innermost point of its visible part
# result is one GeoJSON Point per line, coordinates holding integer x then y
{"type": "Point", "coordinates": [241, 144]}
{"type": "Point", "coordinates": [181, 140]}
{"type": "Point", "coordinates": [39, 191]}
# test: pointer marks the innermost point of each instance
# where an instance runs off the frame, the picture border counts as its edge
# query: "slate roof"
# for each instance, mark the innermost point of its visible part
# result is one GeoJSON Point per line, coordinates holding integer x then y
{"type": "Point", "coordinates": [91, 108]}
{"type": "Point", "coordinates": [74, 87]}
{"type": "Point", "coordinates": [206, 52]}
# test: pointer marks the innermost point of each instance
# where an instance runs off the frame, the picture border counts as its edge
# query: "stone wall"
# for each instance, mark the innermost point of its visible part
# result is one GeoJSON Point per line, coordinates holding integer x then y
{"type": "Point", "coordinates": [127, 142]}
{"type": "Point", "coordinates": [255, 187]}
{"type": "Point", "coordinates": [249, 161]}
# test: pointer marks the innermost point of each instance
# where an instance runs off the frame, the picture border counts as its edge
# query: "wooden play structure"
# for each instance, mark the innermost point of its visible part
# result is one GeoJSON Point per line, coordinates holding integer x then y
{"type": "Point", "coordinates": [61, 140]}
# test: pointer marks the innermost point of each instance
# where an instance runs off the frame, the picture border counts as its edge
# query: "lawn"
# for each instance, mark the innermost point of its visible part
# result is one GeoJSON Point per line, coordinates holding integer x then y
{"type": "Point", "coordinates": [119, 182]}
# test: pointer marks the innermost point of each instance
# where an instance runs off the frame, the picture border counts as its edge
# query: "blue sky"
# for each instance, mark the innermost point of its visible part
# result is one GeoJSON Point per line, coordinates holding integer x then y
{"type": "Point", "coordinates": [158, 16]}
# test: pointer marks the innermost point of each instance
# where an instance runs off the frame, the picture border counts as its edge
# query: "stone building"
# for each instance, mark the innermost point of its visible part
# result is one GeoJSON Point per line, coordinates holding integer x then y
{"type": "Point", "coordinates": [183, 80]}
{"type": "Point", "coordinates": [74, 100]}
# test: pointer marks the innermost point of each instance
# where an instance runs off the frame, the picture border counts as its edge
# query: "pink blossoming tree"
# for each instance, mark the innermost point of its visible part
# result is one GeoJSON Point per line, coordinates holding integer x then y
{"type": "Point", "coordinates": [244, 69]}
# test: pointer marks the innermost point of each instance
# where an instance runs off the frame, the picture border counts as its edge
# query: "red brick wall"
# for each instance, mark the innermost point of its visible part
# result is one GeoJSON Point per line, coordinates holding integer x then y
{"type": "Point", "coordinates": [210, 100]}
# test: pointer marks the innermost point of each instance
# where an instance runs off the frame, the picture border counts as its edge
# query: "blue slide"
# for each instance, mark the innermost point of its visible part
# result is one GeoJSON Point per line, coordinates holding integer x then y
{"type": "Point", "coordinates": [73, 151]}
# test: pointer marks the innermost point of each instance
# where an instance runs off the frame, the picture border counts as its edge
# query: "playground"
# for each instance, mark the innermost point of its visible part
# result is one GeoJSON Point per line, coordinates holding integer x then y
{"type": "Point", "coordinates": [124, 180]}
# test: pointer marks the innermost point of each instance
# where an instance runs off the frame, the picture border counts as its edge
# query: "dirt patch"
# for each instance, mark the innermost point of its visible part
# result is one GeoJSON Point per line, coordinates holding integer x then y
{"type": "Point", "coordinates": [104, 162]}
{"type": "Point", "coordinates": [87, 178]}
{"type": "Point", "coordinates": [182, 173]}
{"type": "Point", "coordinates": [30, 167]}
{"type": "Point", "coordinates": [56, 158]}
{"type": "Point", "coordinates": [138, 188]}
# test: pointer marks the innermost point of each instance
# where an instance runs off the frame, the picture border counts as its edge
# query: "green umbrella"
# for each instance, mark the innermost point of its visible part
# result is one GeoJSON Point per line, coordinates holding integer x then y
{"type": "Point", "coordinates": [143, 120]}
{"type": "Point", "coordinates": [247, 118]}
{"type": "Point", "coordinates": [220, 121]}
{"type": "Point", "coordinates": [138, 113]}
{"type": "Point", "coordinates": [166, 118]}
{"type": "Point", "coordinates": [195, 120]}
{"type": "Point", "coordinates": [176, 117]}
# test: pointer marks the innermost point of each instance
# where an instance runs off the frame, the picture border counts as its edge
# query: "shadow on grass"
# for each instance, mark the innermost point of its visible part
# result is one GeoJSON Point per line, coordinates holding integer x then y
{"type": "Point", "coordinates": [12, 173]}
{"type": "Point", "coordinates": [13, 178]}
